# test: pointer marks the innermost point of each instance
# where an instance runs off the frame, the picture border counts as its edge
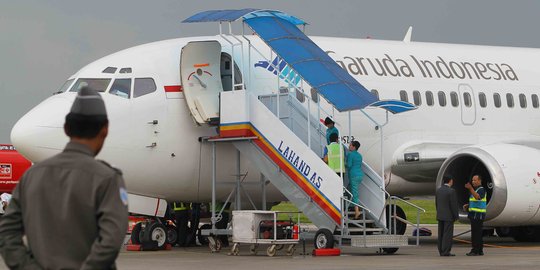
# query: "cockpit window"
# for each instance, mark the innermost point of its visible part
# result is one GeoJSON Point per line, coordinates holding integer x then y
{"type": "Point", "coordinates": [125, 70]}
{"type": "Point", "coordinates": [143, 86]}
{"type": "Point", "coordinates": [66, 86]}
{"type": "Point", "coordinates": [111, 70]}
{"type": "Point", "coordinates": [121, 88]}
{"type": "Point", "coordinates": [99, 85]}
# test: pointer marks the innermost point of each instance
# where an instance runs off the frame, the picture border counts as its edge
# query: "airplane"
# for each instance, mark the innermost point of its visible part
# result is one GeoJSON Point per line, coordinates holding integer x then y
{"type": "Point", "coordinates": [477, 113]}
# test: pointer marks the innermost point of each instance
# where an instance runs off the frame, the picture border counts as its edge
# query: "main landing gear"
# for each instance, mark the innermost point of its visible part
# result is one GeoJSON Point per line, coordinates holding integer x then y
{"type": "Point", "coordinates": [151, 235]}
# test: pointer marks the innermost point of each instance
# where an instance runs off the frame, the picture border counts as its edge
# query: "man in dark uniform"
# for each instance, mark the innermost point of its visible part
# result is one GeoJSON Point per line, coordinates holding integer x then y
{"type": "Point", "coordinates": [447, 213]}
{"type": "Point", "coordinates": [181, 214]}
{"type": "Point", "coordinates": [477, 213]}
{"type": "Point", "coordinates": [71, 207]}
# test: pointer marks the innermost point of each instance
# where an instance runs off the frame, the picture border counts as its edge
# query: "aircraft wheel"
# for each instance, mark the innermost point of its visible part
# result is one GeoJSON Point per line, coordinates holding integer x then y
{"type": "Point", "coordinates": [172, 235]}
{"type": "Point", "coordinates": [253, 249]}
{"type": "Point", "coordinates": [136, 234]}
{"type": "Point", "coordinates": [503, 231]}
{"type": "Point", "coordinates": [401, 226]}
{"type": "Point", "coordinates": [203, 239]}
{"type": "Point", "coordinates": [390, 250]}
{"type": "Point", "coordinates": [324, 239]}
{"type": "Point", "coordinates": [271, 251]}
{"type": "Point", "coordinates": [526, 233]}
{"type": "Point", "coordinates": [488, 232]}
{"type": "Point", "coordinates": [155, 231]}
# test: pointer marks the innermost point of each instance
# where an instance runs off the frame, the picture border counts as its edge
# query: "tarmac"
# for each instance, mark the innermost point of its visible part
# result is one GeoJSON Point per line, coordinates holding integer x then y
{"type": "Point", "coordinates": [500, 253]}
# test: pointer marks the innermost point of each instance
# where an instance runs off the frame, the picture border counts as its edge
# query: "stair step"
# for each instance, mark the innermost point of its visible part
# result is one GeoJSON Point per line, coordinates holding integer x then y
{"type": "Point", "coordinates": [383, 240]}
{"type": "Point", "coordinates": [365, 229]}
{"type": "Point", "coordinates": [359, 221]}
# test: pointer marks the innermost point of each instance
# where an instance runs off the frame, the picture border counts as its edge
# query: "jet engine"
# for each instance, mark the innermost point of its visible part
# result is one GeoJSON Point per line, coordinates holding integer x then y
{"type": "Point", "coordinates": [510, 174]}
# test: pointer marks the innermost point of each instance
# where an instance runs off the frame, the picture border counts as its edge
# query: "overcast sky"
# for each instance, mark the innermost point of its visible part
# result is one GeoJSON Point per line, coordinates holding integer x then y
{"type": "Point", "coordinates": [42, 43]}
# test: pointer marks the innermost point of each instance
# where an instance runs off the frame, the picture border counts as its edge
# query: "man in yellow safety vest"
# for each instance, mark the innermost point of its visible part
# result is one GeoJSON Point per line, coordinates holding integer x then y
{"type": "Point", "coordinates": [181, 214]}
{"type": "Point", "coordinates": [334, 155]}
{"type": "Point", "coordinates": [477, 213]}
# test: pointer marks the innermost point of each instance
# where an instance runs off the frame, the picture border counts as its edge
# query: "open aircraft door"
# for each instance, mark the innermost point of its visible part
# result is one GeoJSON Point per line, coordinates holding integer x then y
{"type": "Point", "coordinates": [201, 80]}
{"type": "Point", "coordinates": [468, 104]}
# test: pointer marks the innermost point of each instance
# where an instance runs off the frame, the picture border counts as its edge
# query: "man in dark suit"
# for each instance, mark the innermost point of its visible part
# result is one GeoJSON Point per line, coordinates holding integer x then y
{"type": "Point", "coordinates": [447, 213]}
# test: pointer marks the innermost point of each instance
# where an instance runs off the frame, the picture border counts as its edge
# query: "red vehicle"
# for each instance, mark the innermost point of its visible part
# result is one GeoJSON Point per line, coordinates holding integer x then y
{"type": "Point", "coordinates": [12, 167]}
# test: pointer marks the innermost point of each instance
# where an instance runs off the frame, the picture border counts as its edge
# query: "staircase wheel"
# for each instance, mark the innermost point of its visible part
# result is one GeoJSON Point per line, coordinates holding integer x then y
{"type": "Point", "coordinates": [253, 249]}
{"type": "Point", "coordinates": [271, 251]}
{"type": "Point", "coordinates": [324, 239]}
{"type": "Point", "coordinates": [291, 249]}
{"type": "Point", "coordinates": [235, 250]}
{"type": "Point", "coordinates": [214, 244]}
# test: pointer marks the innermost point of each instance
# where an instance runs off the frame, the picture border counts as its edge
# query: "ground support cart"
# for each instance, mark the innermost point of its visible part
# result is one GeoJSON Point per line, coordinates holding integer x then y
{"type": "Point", "coordinates": [264, 228]}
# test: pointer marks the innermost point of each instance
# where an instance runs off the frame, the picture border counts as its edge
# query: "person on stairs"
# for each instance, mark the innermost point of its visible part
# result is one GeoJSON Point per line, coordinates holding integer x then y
{"type": "Point", "coordinates": [355, 173]}
{"type": "Point", "coordinates": [335, 155]}
{"type": "Point", "coordinates": [330, 129]}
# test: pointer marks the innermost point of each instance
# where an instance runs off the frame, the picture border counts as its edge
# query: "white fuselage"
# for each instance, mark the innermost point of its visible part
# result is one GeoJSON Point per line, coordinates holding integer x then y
{"type": "Point", "coordinates": [165, 159]}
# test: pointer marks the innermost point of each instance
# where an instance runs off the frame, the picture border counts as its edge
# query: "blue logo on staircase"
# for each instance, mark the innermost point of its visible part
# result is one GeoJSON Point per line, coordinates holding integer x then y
{"type": "Point", "coordinates": [285, 72]}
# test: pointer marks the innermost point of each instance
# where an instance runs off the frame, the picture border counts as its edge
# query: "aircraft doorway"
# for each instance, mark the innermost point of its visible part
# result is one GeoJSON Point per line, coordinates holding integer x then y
{"type": "Point", "coordinates": [468, 104]}
{"type": "Point", "coordinates": [206, 71]}
{"type": "Point", "coordinates": [227, 73]}
{"type": "Point", "coordinates": [200, 72]}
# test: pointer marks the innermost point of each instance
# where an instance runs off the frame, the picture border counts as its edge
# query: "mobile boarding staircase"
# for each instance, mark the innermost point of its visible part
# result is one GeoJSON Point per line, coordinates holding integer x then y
{"type": "Point", "coordinates": [284, 140]}
{"type": "Point", "coordinates": [279, 148]}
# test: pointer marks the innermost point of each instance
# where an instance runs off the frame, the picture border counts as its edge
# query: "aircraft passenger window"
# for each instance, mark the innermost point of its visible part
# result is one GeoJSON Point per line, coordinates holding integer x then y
{"type": "Point", "coordinates": [300, 96]}
{"type": "Point", "coordinates": [467, 99]}
{"type": "Point", "coordinates": [121, 88]}
{"type": "Point", "coordinates": [99, 85]}
{"type": "Point", "coordinates": [442, 99]}
{"type": "Point", "coordinates": [417, 98]}
{"type": "Point", "coordinates": [510, 100]}
{"type": "Point", "coordinates": [314, 95]}
{"type": "Point", "coordinates": [403, 96]}
{"type": "Point", "coordinates": [143, 86]}
{"type": "Point", "coordinates": [375, 93]}
{"type": "Point", "coordinates": [483, 100]}
{"type": "Point", "coordinates": [497, 100]}
{"type": "Point", "coordinates": [65, 86]}
{"type": "Point", "coordinates": [534, 98]}
{"type": "Point", "coordinates": [522, 101]}
{"type": "Point", "coordinates": [429, 98]}
{"type": "Point", "coordinates": [111, 70]}
{"type": "Point", "coordinates": [454, 99]}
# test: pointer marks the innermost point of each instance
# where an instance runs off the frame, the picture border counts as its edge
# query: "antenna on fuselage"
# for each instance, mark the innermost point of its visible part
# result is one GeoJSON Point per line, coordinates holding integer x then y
{"type": "Point", "coordinates": [408, 35]}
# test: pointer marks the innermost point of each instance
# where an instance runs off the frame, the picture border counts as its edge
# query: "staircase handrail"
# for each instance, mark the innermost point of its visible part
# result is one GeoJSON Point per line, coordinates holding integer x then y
{"type": "Point", "coordinates": [392, 201]}
{"type": "Point", "coordinates": [344, 209]}
{"type": "Point", "coordinates": [379, 177]}
{"type": "Point", "coordinates": [408, 203]}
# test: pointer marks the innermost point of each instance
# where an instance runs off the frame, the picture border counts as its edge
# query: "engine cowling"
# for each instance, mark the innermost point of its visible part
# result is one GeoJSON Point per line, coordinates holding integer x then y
{"type": "Point", "coordinates": [511, 176]}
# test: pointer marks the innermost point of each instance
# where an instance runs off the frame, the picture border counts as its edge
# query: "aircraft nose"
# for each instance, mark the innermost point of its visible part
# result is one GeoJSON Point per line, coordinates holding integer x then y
{"type": "Point", "coordinates": [39, 134]}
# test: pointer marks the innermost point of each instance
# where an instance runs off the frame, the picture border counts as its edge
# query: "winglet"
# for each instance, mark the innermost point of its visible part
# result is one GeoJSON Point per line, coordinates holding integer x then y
{"type": "Point", "coordinates": [408, 35]}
